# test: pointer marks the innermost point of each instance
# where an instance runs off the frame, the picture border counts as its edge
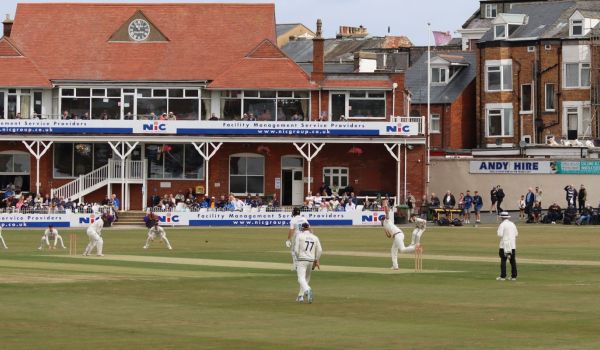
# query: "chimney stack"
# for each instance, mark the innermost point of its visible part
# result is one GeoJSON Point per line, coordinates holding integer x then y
{"type": "Point", "coordinates": [8, 23]}
{"type": "Point", "coordinates": [318, 54]}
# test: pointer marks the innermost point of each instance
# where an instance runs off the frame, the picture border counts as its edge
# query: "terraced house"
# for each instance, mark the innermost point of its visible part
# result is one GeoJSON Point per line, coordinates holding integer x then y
{"type": "Point", "coordinates": [538, 76]}
{"type": "Point", "coordinates": [139, 99]}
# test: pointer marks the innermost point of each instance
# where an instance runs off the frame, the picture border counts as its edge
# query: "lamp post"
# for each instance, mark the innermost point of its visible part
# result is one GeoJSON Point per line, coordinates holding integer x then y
{"type": "Point", "coordinates": [394, 87]}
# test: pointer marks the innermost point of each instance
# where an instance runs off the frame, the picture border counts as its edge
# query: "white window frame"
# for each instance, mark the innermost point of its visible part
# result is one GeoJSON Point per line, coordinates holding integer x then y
{"type": "Point", "coordinates": [553, 109]}
{"type": "Point", "coordinates": [576, 23]}
{"type": "Point", "coordinates": [530, 48]}
{"type": "Point", "coordinates": [442, 75]}
{"type": "Point", "coordinates": [530, 110]}
{"type": "Point", "coordinates": [504, 108]}
{"type": "Point", "coordinates": [438, 118]}
{"type": "Point", "coordinates": [576, 107]}
{"type": "Point", "coordinates": [339, 175]}
{"type": "Point", "coordinates": [504, 34]}
{"type": "Point", "coordinates": [491, 10]}
{"type": "Point", "coordinates": [582, 66]}
{"type": "Point", "coordinates": [499, 64]}
{"type": "Point", "coordinates": [368, 96]}
{"type": "Point", "coordinates": [246, 155]}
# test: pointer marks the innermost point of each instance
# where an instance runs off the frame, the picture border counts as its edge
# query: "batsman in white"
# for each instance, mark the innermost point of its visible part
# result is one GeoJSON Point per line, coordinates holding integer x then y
{"type": "Point", "coordinates": [94, 233]}
{"type": "Point", "coordinates": [295, 228]}
{"type": "Point", "coordinates": [154, 232]}
{"type": "Point", "coordinates": [2, 239]}
{"type": "Point", "coordinates": [420, 227]}
{"type": "Point", "coordinates": [308, 252]}
{"type": "Point", "coordinates": [391, 231]}
{"type": "Point", "coordinates": [51, 234]}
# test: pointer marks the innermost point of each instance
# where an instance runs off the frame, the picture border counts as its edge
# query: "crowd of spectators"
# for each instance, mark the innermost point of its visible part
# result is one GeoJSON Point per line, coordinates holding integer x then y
{"type": "Point", "coordinates": [325, 200]}
{"type": "Point", "coordinates": [16, 201]}
{"type": "Point", "coordinates": [191, 201]}
{"type": "Point", "coordinates": [576, 209]}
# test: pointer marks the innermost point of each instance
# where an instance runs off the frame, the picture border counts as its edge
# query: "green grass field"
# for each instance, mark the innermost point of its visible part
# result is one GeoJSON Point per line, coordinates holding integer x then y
{"type": "Point", "coordinates": [231, 288]}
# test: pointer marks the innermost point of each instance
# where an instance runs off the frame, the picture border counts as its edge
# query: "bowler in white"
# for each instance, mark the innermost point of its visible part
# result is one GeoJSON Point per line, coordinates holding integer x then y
{"type": "Point", "coordinates": [507, 231]}
{"type": "Point", "coordinates": [94, 233]}
{"type": "Point", "coordinates": [308, 252]}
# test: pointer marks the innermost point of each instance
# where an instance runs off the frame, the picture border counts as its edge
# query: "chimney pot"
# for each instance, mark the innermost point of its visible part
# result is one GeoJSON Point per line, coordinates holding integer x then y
{"type": "Point", "coordinates": [8, 23]}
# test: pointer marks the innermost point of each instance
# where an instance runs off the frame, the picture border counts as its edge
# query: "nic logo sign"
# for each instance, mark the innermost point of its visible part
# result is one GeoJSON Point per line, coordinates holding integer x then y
{"type": "Point", "coordinates": [405, 129]}
{"type": "Point", "coordinates": [155, 127]}
{"type": "Point", "coordinates": [374, 218]}
{"type": "Point", "coordinates": [168, 218]}
{"type": "Point", "coordinates": [87, 219]}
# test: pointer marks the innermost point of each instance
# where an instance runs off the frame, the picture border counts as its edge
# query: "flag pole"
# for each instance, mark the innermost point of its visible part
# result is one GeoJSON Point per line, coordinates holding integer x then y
{"type": "Point", "coordinates": [428, 164]}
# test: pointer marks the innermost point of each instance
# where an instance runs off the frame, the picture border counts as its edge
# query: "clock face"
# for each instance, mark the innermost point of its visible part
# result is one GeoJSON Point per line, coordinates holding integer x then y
{"type": "Point", "coordinates": [139, 30]}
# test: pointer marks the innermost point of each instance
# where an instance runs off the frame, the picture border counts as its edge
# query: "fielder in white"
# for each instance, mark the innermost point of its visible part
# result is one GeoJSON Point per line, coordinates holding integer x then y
{"type": "Point", "coordinates": [2, 239]}
{"type": "Point", "coordinates": [51, 234]}
{"type": "Point", "coordinates": [94, 233]}
{"type": "Point", "coordinates": [295, 228]}
{"type": "Point", "coordinates": [154, 232]}
{"type": "Point", "coordinates": [393, 232]}
{"type": "Point", "coordinates": [420, 227]}
{"type": "Point", "coordinates": [308, 252]}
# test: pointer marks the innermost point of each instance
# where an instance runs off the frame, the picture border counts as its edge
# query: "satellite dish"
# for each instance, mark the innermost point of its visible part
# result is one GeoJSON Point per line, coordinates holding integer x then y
{"type": "Point", "coordinates": [522, 144]}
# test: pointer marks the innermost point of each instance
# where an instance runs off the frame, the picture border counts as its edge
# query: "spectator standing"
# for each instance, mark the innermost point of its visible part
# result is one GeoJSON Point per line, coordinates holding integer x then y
{"type": "Point", "coordinates": [570, 195]}
{"type": "Point", "coordinates": [449, 201]}
{"type": "Point", "coordinates": [508, 233]}
{"type": "Point", "coordinates": [582, 198]}
{"type": "Point", "coordinates": [410, 202]}
{"type": "Point", "coordinates": [522, 207]}
{"type": "Point", "coordinates": [467, 209]}
{"type": "Point", "coordinates": [530, 199]}
{"type": "Point", "coordinates": [477, 205]}
{"type": "Point", "coordinates": [500, 198]}
{"type": "Point", "coordinates": [493, 198]}
{"type": "Point", "coordinates": [538, 194]}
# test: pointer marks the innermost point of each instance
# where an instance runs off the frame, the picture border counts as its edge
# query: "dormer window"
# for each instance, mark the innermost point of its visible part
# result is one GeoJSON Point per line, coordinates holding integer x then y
{"type": "Point", "coordinates": [491, 10]}
{"type": "Point", "coordinates": [439, 75]}
{"type": "Point", "coordinates": [500, 31]}
{"type": "Point", "coordinates": [506, 24]}
{"type": "Point", "coordinates": [576, 27]}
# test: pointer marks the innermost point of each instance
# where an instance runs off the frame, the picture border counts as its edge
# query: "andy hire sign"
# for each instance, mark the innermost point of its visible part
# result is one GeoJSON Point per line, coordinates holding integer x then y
{"type": "Point", "coordinates": [510, 167]}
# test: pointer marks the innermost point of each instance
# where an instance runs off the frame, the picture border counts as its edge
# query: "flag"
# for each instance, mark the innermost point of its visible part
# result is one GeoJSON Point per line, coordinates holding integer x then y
{"type": "Point", "coordinates": [441, 38]}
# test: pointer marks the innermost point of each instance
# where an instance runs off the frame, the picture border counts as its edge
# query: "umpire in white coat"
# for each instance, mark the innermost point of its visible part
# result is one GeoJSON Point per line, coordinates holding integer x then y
{"type": "Point", "coordinates": [507, 231]}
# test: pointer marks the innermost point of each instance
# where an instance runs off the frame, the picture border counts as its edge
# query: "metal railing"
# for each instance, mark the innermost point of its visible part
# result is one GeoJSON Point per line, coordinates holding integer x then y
{"type": "Point", "coordinates": [111, 172]}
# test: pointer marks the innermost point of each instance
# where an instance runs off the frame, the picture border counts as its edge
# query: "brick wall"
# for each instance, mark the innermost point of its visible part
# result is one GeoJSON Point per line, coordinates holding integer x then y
{"type": "Point", "coordinates": [550, 72]}
{"type": "Point", "coordinates": [373, 170]}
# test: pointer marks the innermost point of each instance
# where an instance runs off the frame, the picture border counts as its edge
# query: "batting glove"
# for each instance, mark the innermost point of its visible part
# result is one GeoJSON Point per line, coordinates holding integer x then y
{"type": "Point", "coordinates": [288, 243]}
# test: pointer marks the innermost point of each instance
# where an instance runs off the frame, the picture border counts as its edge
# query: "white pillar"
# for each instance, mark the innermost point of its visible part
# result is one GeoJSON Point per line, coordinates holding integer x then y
{"type": "Point", "coordinates": [207, 150]}
{"type": "Point", "coordinates": [38, 154]}
{"type": "Point", "coordinates": [123, 149]}
{"type": "Point", "coordinates": [394, 150]}
{"type": "Point", "coordinates": [309, 151]}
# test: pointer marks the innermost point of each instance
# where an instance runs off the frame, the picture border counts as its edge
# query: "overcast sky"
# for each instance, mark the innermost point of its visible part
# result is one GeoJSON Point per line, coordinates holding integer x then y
{"type": "Point", "coordinates": [404, 17]}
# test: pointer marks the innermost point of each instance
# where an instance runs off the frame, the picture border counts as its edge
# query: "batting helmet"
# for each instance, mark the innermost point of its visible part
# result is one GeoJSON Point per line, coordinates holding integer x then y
{"type": "Point", "coordinates": [296, 211]}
